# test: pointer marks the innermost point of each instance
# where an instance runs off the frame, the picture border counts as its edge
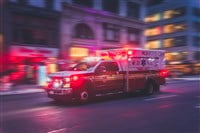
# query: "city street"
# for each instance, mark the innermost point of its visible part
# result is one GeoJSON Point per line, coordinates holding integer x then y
{"type": "Point", "coordinates": [176, 109]}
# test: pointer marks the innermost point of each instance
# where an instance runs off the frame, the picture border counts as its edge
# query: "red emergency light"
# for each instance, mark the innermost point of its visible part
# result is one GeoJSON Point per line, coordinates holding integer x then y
{"type": "Point", "coordinates": [164, 73]}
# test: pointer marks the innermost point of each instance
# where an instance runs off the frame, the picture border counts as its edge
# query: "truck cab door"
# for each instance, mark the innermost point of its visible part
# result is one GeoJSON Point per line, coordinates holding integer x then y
{"type": "Point", "coordinates": [115, 77]}
{"type": "Point", "coordinates": [101, 78]}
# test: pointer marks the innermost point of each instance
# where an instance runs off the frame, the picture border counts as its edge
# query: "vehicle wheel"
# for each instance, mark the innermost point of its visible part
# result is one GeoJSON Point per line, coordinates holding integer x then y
{"type": "Point", "coordinates": [150, 89]}
{"type": "Point", "coordinates": [84, 96]}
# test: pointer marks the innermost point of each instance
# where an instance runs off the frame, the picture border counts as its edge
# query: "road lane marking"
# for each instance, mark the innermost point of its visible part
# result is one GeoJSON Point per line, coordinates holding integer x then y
{"type": "Point", "coordinates": [49, 113]}
{"type": "Point", "coordinates": [18, 112]}
{"type": "Point", "coordinates": [161, 97]}
{"type": "Point", "coordinates": [194, 78]}
{"type": "Point", "coordinates": [197, 107]}
{"type": "Point", "coordinates": [57, 131]}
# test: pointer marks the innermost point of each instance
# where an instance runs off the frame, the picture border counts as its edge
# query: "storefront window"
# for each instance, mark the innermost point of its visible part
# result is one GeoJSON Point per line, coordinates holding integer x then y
{"type": "Point", "coordinates": [153, 18]}
{"type": "Point", "coordinates": [176, 27]}
{"type": "Point", "coordinates": [79, 52]}
{"type": "Point", "coordinates": [153, 31]}
{"type": "Point", "coordinates": [153, 44]}
{"type": "Point", "coordinates": [174, 13]}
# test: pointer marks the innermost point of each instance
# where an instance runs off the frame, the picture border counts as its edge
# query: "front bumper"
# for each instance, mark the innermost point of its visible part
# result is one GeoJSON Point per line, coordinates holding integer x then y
{"type": "Point", "coordinates": [62, 93]}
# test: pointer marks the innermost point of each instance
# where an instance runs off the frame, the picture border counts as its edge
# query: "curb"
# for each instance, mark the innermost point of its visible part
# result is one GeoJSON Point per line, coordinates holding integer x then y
{"type": "Point", "coordinates": [16, 92]}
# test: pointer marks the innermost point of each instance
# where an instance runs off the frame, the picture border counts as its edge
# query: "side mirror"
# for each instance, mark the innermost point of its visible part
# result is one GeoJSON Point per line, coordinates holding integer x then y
{"type": "Point", "coordinates": [101, 69]}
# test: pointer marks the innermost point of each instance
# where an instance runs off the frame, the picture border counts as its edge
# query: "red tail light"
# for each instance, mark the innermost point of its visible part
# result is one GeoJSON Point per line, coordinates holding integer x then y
{"type": "Point", "coordinates": [164, 73]}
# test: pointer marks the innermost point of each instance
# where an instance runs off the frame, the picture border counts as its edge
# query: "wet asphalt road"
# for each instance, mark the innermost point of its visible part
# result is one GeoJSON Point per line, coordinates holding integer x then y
{"type": "Point", "coordinates": [176, 109]}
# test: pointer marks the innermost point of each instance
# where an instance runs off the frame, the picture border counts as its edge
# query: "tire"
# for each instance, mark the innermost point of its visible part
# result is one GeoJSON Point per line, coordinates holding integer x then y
{"type": "Point", "coordinates": [85, 95]}
{"type": "Point", "coordinates": [150, 88]}
{"type": "Point", "coordinates": [157, 87]}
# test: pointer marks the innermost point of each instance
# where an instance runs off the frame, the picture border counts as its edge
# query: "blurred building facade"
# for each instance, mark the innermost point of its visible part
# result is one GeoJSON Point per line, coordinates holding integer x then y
{"type": "Point", "coordinates": [35, 31]}
{"type": "Point", "coordinates": [29, 35]}
{"type": "Point", "coordinates": [88, 25]}
{"type": "Point", "coordinates": [174, 25]}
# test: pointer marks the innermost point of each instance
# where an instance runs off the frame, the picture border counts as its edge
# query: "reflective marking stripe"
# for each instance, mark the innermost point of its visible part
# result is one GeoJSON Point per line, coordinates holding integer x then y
{"type": "Point", "coordinates": [198, 106]}
{"type": "Point", "coordinates": [57, 131]}
{"type": "Point", "coordinates": [162, 97]}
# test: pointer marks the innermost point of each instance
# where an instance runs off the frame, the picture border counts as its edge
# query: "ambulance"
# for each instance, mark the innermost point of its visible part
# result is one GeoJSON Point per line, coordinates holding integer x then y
{"type": "Point", "coordinates": [110, 72]}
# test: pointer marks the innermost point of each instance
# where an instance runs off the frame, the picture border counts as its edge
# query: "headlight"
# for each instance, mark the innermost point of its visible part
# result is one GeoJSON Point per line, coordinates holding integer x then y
{"type": "Point", "coordinates": [49, 79]}
{"type": "Point", "coordinates": [67, 79]}
{"type": "Point", "coordinates": [57, 84]}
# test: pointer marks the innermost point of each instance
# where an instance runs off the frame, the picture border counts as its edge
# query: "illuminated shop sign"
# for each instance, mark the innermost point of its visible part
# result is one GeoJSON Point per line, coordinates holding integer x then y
{"type": "Point", "coordinates": [33, 51]}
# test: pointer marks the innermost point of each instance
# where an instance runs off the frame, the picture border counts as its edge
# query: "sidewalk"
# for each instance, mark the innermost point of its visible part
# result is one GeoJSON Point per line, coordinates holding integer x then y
{"type": "Point", "coordinates": [26, 89]}
{"type": "Point", "coordinates": [21, 89]}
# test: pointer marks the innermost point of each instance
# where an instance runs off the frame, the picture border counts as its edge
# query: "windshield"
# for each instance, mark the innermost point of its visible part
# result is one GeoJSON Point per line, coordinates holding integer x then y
{"type": "Point", "coordinates": [84, 66]}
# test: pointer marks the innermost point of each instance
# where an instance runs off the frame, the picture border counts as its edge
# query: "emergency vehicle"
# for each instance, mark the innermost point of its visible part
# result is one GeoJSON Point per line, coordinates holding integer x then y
{"type": "Point", "coordinates": [112, 71]}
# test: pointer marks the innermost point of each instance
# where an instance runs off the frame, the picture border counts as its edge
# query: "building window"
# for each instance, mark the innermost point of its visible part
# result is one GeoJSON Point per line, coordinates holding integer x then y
{"type": "Point", "coordinates": [22, 2]}
{"type": "Point", "coordinates": [111, 32]}
{"type": "Point", "coordinates": [111, 5]}
{"type": "Point", "coordinates": [197, 55]}
{"type": "Point", "coordinates": [175, 42]}
{"type": "Point", "coordinates": [167, 43]}
{"type": "Point", "coordinates": [83, 31]}
{"type": "Point", "coordinates": [87, 3]}
{"type": "Point", "coordinates": [196, 11]}
{"type": "Point", "coordinates": [196, 26]}
{"type": "Point", "coordinates": [176, 56]}
{"type": "Point", "coordinates": [49, 4]}
{"type": "Point", "coordinates": [196, 41]}
{"type": "Point", "coordinates": [30, 36]}
{"type": "Point", "coordinates": [174, 13]}
{"type": "Point", "coordinates": [32, 30]}
{"type": "Point", "coordinates": [134, 36]}
{"type": "Point", "coordinates": [133, 10]}
{"type": "Point", "coordinates": [154, 44]}
{"type": "Point", "coordinates": [153, 31]}
{"type": "Point", "coordinates": [180, 41]}
{"type": "Point", "coordinates": [154, 2]}
{"type": "Point", "coordinates": [176, 27]}
{"type": "Point", "coordinates": [153, 18]}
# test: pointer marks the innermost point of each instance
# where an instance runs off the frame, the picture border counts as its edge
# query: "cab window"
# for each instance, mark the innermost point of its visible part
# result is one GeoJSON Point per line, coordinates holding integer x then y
{"type": "Point", "coordinates": [111, 66]}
